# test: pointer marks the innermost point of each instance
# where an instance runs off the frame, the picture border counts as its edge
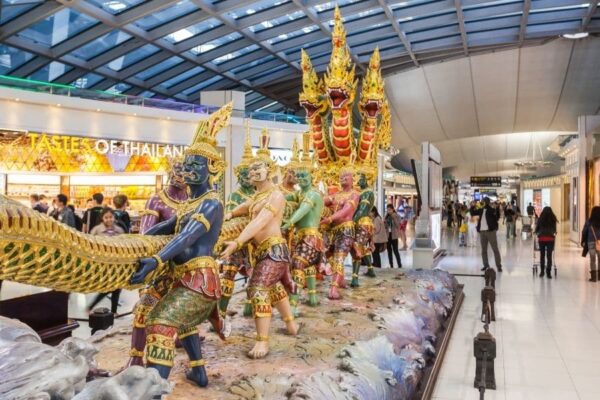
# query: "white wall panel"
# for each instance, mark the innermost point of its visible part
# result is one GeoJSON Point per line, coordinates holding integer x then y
{"type": "Point", "coordinates": [411, 100]}
{"type": "Point", "coordinates": [581, 93]}
{"type": "Point", "coordinates": [452, 93]}
{"type": "Point", "coordinates": [541, 75]}
{"type": "Point", "coordinates": [495, 81]}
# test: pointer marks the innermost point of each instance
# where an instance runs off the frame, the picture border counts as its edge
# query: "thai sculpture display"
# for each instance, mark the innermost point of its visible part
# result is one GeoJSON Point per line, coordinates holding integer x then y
{"type": "Point", "coordinates": [342, 157]}
{"type": "Point", "coordinates": [271, 273]}
{"type": "Point", "coordinates": [193, 296]}
{"type": "Point", "coordinates": [307, 252]}
{"type": "Point", "coordinates": [240, 260]}
{"type": "Point", "coordinates": [159, 208]}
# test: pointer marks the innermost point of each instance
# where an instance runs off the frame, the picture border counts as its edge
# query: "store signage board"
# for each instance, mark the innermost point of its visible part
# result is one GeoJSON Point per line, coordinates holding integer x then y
{"type": "Point", "coordinates": [486, 181]}
{"type": "Point", "coordinates": [75, 144]}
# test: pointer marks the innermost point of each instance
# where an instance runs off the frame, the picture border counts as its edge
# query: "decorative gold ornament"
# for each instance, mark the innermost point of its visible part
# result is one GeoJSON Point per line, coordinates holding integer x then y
{"type": "Point", "coordinates": [247, 154]}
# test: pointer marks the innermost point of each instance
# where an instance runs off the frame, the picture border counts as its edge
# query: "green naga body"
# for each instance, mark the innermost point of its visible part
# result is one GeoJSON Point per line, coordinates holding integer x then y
{"type": "Point", "coordinates": [361, 249]}
{"type": "Point", "coordinates": [308, 242]}
{"type": "Point", "coordinates": [240, 261]}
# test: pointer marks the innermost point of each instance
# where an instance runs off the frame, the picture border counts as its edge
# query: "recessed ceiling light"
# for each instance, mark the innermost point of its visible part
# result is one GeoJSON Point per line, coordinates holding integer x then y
{"type": "Point", "coordinates": [135, 114]}
{"type": "Point", "coordinates": [58, 105]}
{"type": "Point", "coordinates": [97, 109]}
{"type": "Point", "coordinates": [578, 35]}
{"type": "Point", "coordinates": [17, 99]}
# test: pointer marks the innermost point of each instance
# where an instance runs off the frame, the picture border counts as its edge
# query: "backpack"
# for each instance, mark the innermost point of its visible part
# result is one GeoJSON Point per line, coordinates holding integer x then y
{"type": "Point", "coordinates": [120, 220]}
{"type": "Point", "coordinates": [596, 241]}
{"type": "Point", "coordinates": [78, 222]}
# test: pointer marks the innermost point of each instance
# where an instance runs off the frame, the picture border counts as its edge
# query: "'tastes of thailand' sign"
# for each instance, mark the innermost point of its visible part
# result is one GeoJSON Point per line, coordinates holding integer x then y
{"type": "Point", "coordinates": [486, 181]}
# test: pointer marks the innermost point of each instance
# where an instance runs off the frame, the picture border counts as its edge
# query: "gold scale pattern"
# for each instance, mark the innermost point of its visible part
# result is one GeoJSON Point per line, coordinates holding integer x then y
{"type": "Point", "coordinates": [37, 250]}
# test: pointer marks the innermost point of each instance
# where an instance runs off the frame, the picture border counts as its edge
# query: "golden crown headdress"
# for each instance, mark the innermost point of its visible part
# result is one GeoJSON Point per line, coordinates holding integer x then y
{"type": "Point", "coordinates": [263, 153]}
{"type": "Point", "coordinates": [205, 140]}
{"type": "Point", "coordinates": [247, 154]}
{"type": "Point", "coordinates": [294, 162]}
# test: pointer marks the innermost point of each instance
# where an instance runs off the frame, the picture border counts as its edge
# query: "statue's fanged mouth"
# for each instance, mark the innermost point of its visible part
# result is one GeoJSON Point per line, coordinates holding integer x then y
{"type": "Point", "coordinates": [309, 107]}
{"type": "Point", "coordinates": [338, 97]}
{"type": "Point", "coordinates": [372, 107]}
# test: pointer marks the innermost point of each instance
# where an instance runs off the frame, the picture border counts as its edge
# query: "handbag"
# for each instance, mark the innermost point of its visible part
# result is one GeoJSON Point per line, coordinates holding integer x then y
{"type": "Point", "coordinates": [596, 241]}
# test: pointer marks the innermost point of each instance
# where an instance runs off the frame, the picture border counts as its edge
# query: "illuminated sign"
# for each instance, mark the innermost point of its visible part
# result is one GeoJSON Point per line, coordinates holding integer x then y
{"type": "Point", "coordinates": [73, 144]}
{"type": "Point", "coordinates": [486, 181]}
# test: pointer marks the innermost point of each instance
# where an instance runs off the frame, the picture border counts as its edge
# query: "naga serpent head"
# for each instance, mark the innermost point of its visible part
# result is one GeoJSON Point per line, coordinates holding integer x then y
{"type": "Point", "coordinates": [372, 95]}
{"type": "Point", "coordinates": [340, 83]}
{"type": "Point", "coordinates": [311, 97]}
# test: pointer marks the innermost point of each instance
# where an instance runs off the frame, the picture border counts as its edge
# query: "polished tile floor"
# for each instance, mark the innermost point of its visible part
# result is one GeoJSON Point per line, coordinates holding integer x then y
{"type": "Point", "coordinates": [547, 330]}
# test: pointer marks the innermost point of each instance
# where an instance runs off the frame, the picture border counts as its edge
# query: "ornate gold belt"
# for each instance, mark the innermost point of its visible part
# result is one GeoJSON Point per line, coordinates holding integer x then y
{"type": "Point", "coordinates": [365, 221]}
{"type": "Point", "coordinates": [301, 233]}
{"type": "Point", "coordinates": [342, 226]}
{"type": "Point", "coordinates": [196, 263]}
{"type": "Point", "coordinates": [268, 243]}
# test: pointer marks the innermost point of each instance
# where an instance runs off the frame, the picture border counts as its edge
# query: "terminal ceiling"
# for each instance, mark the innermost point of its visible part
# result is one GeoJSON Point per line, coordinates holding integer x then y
{"type": "Point", "coordinates": [176, 48]}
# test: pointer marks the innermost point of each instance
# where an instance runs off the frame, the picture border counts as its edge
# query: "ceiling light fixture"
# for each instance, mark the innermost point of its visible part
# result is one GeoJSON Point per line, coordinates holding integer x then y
{"type": "Point", "coordinates": [575, 36]}
{"type": "Point", "coordinates": [58, 105]}
{"type": "Point", "coordinates": [17, 99]}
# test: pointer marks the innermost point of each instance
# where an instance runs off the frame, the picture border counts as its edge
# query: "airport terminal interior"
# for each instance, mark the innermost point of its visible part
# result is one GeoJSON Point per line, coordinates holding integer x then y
{"type": "Point", "coordinates": [299, 199]}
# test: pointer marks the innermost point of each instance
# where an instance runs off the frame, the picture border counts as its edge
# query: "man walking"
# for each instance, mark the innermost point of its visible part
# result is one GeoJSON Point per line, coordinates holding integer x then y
{"type": "Point", "coordinates": [487, 227]}
{"type": "Point", "coordinates": [64, 213]}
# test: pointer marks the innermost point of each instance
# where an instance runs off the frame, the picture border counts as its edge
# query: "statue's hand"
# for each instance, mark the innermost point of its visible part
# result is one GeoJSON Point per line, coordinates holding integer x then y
{"type": "Point", "coordinates": [228, 216]}
{"type": "Point", "coordinates": [147, 265]}
{"type": "Point", "coordinates": [230, 248]}
{"type": "Point", "coordinates": [326, 221]}
{"type": "Point", "coordinates": [287, 226]}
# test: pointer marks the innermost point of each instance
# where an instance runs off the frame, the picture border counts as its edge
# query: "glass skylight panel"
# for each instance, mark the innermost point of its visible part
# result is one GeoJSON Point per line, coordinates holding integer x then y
{"type": "Point", "coordinates": [289, 35]}
{"type": "Point", "coordinates": [193, 30]}
{"type": "Point", "coordinates": [165, 15]}
{"type": "Point", "coordinates": [158, 68]}
{"type": "Point", "coordinates": [235, 54]}
{"type": "Point", "coordinates": [87, 81]}
{"type": "Point", "coordinates": [115, 6]}
{"type": "Point", "coordinates": [147, 94]}
{"type": "Point", "coordinates": [50, 72]}
{"type": "Point", "coordinates": [118, 88]}
{"type": "Point", "coordinates": [100, 45]}
{"type": "Point", "coordinates": [256, 7]}
{"type": "Point", "coordinates": [11, 58]}
{"type": "Point", "coordinates": [558, 8]}
{"type": "Point", "coordinates": [330, 4]}
{"type": "Point", "coordinates": [202, 85]}
{"type": "Point", "coordinates": [203, 48]}
{"type": "Point", "coordinates": [252, 64]}
{"type": "Point", "coordinates": [181, 77]}
{"type": "Point", "coordinates": [11, 9]}
{"type": "Point", "coordinates": [277, 21]}
{"type": "Point", "coordinates": [58, 27]}
{"type": "Point", "coordinates": [133, 57]}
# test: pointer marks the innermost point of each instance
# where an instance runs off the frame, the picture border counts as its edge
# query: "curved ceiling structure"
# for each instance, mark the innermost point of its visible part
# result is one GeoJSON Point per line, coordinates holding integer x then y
{"type": "Point", "coordinates": [177, 48]}
{"type": "Point", "coordinates": [542, 88]}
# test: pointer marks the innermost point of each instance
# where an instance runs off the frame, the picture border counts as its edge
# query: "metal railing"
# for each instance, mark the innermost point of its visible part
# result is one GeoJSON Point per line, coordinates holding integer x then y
{"type": "Point", "coordinates": [100, 95]}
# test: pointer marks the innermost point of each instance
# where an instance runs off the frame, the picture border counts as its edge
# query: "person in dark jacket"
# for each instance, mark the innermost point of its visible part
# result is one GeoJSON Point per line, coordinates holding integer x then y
{"type": "Point", "coordinates": [589, 235]}
{"type": "Point", "coordinates": [545, 229]}
{"type": "Point", "coordinates": [121, 202]}
{"type": "Point", "coordinates": [487, 227]}
{"type": "Point", "coordinates": [63, 212]}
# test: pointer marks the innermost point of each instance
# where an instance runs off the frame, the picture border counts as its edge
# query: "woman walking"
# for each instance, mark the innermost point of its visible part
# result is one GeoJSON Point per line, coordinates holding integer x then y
{"type": "Point", "coordinates": [392, 223]}
{"type": "Point", "coordinates": [108, 227]}
{"type": "Point", "coordinates": [379, 237]}
{"type": "Point", "coordinates": [589, 236]}
{"type": "Point", "coordinates": [546, 234]}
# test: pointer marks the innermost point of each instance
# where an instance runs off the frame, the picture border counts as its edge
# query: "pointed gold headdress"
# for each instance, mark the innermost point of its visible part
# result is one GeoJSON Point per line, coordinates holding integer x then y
{"type": "Point", "coordinates": [247, 154]}
{"type": "Point", "coordinates": [294, 162]}
{"type": "Point", "coordinates": [263, 154]}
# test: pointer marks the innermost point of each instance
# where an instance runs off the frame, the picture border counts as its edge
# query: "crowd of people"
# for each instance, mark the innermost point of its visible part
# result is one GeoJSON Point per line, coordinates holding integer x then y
{"type": "Point", "coordinates": [98, 219]}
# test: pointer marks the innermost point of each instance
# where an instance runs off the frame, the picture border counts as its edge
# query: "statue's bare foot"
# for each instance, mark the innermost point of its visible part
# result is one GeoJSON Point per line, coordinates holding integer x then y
{"type": "Point", "coordinates": [260, 350]}
{"type": "Point", "coordinates": [292, 328]}
{"type": "Point", "coordinates": [198, 376]}
{"type": "Point", "coordinates": [334, 294]}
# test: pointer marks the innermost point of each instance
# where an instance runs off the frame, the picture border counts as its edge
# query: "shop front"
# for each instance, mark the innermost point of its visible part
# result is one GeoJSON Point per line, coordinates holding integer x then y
{"type": "Point", "coordinates": [49, 164]}
{"type": "Point", "coordinates": [550, 191]}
